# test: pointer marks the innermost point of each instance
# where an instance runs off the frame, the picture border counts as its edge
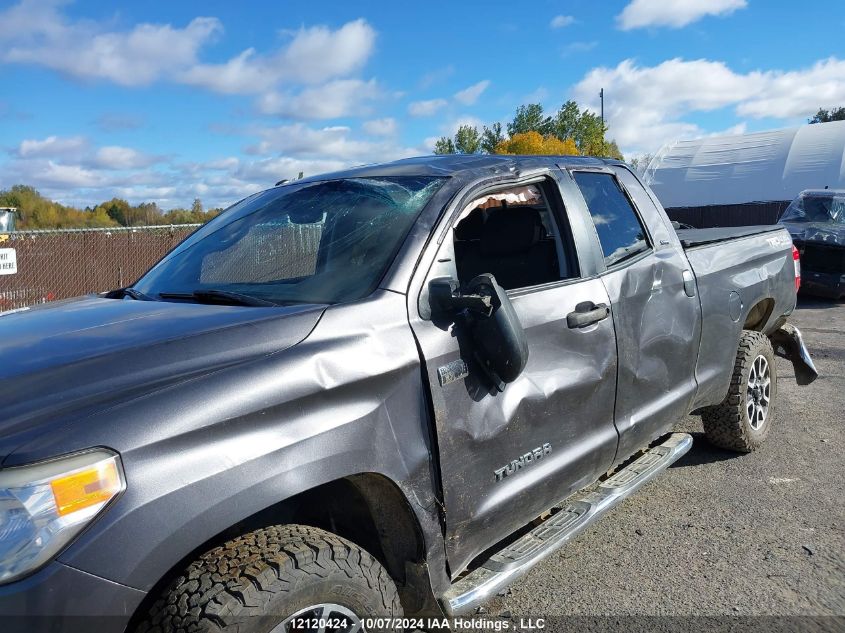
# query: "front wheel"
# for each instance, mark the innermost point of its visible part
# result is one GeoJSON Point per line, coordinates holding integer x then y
{"type": "Point", "coordinates": [278, 580]}
{"type": "Point", "coordinates": [742, 421]}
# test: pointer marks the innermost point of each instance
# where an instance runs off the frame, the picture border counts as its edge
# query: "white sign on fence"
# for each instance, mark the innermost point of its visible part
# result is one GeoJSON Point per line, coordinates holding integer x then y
{"type": "Point", "coordinates": [8, 261]}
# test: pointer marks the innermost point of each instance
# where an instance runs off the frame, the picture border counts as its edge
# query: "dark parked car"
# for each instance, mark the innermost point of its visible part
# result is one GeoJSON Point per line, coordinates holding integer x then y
{"type": "Point", "coordinates": [816, 222]}
{"type": "Point", "coordinates": [391, 390]}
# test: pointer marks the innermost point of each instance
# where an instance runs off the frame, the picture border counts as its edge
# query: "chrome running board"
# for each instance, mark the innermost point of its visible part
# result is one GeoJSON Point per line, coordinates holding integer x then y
{"type": "Point", "coordinates": [508, 564]}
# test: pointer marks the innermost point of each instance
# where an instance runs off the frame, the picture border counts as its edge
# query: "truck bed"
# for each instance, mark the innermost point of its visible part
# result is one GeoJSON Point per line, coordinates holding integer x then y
{"type": "Point", "coordinates": [690, 238]}
{"type": "Point", "coordinates": [735, 269]}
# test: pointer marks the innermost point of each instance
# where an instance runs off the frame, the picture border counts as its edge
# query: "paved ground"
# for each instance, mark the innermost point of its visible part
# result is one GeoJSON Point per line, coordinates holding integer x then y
{"type": "Point", "coordinates": [718, 533]}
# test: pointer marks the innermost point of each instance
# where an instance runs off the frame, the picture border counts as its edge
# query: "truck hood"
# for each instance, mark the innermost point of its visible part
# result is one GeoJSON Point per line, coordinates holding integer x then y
{"type": "Point", "coordinates": [71, 358]}
{"type": "Point", "coordinates": [821, 232]}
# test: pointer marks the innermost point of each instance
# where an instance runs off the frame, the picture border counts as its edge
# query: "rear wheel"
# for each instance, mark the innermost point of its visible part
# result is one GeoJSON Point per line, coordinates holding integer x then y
{"type": "Point", "coordinates": [277, 580]}
{"type": "Point", "coordinates": [742, 421]}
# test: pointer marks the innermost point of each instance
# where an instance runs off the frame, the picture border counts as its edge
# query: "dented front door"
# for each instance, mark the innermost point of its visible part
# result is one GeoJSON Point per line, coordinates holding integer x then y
{"type": "Point", "coordinates": [506, 457]}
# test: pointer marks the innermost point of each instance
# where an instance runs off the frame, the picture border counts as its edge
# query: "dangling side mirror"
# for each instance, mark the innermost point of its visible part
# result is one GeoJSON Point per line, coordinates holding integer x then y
{"type": "Point", "coordinates": [501, 346]}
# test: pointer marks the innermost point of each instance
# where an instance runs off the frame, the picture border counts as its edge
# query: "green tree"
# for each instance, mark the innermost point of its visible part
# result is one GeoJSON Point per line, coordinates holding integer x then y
{"type": "Point", "coordinates": [117, 209]}
{"type": "Point", "coordinates": [613, 151]}
{"type": "Point", "coordinates": [491, 137]}
{"type": "Point", "coordinates": [565, 123]}
{"type": "Point", "coordinates": [826, 116]}
{"type": "Point", "coordinates": [467, 140]}
{"type": "Point", "coordinates": [98, 218]}
{"type": "Point", "coordinates": [196, 208]}
{"type": "Point", "coordinates": [148, 213]}
{"type": "Point", "coordinates": [178, 216]}
{"type": "Point", "coordinates": [529, 118]}
{"type": "Point", "coordinates": [444, 145]}
{"type": "Point", "coordinates": [589, 135]}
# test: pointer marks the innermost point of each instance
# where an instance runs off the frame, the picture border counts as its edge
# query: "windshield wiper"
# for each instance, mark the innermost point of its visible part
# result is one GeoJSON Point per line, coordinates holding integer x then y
{"type": "Point", "coordinates": [225, 297]}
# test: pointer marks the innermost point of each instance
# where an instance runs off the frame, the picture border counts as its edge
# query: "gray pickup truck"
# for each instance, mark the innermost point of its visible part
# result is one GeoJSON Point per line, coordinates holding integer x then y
{"type": "Point", "coordinates": [378, 394]}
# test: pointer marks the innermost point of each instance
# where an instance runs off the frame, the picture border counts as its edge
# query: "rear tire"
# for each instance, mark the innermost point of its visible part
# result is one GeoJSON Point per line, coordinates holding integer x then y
{"type": "Point", "coordinates": [256, 582]}
{"type": "Point", "coordinates": [743, 419]}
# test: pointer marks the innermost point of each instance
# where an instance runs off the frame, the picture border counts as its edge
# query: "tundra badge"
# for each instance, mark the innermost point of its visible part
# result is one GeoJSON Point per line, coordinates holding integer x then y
{"type": "Point", "coordinates": [523, 461]}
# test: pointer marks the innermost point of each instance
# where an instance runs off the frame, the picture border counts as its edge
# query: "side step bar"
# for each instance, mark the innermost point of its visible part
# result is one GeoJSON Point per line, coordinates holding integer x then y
{"type": "Point", "coordinates": [508, 564]}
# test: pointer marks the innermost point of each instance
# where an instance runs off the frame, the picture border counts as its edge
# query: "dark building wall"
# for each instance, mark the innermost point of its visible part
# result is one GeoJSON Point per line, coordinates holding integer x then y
{"type": "Point", "coordinates": [748, 214]}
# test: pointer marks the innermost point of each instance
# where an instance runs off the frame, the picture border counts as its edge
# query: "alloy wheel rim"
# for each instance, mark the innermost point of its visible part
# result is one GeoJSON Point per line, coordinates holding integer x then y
{"type": "Point", "coordinates": [758, 396]}
{"type": "Point", "coordinates": [325, 617]}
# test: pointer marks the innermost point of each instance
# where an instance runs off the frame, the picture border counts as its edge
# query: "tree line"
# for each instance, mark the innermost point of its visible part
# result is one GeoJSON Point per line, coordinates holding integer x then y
{"type": "Point", "coordinates": [826, 116]}
{"type": "Point", "coordinates": [39, 212]}
{"type": "Point", "coordinates": [570, 130]}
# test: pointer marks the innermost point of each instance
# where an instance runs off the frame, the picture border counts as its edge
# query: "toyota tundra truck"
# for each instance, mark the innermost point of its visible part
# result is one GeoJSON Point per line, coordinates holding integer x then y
{"type": "Point", "coordinates": [382, 394]}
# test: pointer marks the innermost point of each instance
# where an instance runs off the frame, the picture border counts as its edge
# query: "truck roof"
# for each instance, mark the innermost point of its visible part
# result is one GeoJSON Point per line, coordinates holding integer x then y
{"type": "Point", "coordinates": [456, 164]}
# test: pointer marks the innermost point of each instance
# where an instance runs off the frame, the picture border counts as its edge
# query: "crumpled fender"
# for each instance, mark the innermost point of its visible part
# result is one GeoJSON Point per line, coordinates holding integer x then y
{"type": "Point", "coordinates": [789, 344]}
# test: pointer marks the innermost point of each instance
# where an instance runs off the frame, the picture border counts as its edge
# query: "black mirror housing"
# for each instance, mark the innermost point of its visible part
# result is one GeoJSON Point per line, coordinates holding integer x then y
{"type": "Point", "coordinates": [499, 341]}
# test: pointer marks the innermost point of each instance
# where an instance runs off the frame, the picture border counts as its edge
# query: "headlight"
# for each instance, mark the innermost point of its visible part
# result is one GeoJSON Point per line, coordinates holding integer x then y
{"type": "Point", "coordinates": [43, 506]}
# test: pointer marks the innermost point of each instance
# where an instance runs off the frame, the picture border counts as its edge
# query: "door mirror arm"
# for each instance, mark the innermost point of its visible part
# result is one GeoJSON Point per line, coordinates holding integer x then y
{"type": "Point", "coordinates": [446, 298]}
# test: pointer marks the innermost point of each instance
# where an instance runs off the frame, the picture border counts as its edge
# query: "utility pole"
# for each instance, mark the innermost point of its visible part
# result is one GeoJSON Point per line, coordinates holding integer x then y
{"type": "Point", "coordinates": [601, 96]}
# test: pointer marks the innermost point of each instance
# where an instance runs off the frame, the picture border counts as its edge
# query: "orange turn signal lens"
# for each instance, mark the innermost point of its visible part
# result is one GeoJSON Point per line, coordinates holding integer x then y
{"type": "Point", "coordinates": [85, 488]}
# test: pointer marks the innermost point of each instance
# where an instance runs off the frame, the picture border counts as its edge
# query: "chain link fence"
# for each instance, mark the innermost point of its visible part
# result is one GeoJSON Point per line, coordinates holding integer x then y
{"type": "Point", "coordinates": [57, 264]}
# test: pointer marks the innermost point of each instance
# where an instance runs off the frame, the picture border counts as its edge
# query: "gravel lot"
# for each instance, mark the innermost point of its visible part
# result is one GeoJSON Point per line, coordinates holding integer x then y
{"type": "Point", "coordinates": [719, 533]}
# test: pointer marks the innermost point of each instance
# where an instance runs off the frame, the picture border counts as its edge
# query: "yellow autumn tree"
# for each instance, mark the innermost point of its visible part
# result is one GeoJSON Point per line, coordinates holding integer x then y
{"type": "Point", "coordinates": [534, 143]}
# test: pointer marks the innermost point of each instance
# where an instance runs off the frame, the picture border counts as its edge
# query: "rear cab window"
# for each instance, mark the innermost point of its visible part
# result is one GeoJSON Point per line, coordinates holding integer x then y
{"type": "Point", "coordinates": [619, 228]}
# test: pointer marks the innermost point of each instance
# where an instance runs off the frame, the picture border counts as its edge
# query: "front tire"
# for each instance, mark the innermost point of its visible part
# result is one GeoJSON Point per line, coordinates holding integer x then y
{"type": "Point", "coordinates": [275, 580]}
{"type": "Point", "coordinates": [742, 421]}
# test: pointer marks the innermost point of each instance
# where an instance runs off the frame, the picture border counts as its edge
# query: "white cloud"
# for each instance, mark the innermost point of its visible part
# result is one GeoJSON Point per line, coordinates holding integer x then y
{"type": "Point", "coordinates": [469, 96]}
{"type": "Point", "coordinates": [116, 157]}
{"type": "Point", "coordinates": [48, 173]}
{"type": "Point", "coordinates": [268, 171]}
{"type": "Point", "coordinates": [52, 146]}
{"type": "Point", "coordinates": [560, 21]}
{"type": "Point", "coordinates": [314, 55]}
{"type": "Point", "coordinates": [677, 13]}
{"type": "Point", "coordinates": [645, 105]}
{"type": "Point", "coordinates": [381, 127]}
{"type": "Point", "coordinates": [429, 107]}
{"type": "Point", "coordinates": [797, 93]}
{"type": "Point", "coordinates": [34, 32]}
{"type": "Point", "coordinates": [318, 53]}
{"type": "Point", "coordinates": [739, 128]}
{"type": "Point", "coordinates": [335, 99]}
{"type": "Point", "coordinates": [77, 149]}
{"type": "Point", "coordinates": [337, 143]}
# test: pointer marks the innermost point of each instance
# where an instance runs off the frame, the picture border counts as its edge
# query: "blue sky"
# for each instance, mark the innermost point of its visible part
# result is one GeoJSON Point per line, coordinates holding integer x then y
{"type": "Point", "coordinates": [168, 101]}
